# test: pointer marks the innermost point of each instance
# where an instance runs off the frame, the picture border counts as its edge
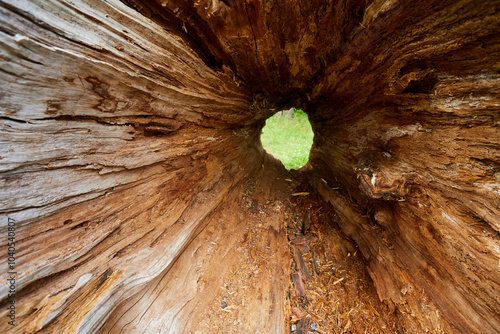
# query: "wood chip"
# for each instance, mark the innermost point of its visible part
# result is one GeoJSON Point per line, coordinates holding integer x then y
{"type": "Point", "coordinates": [232, 275]}
{"type": "Point", "coordinates": [253, 255]}
{"type": "Point", "coordinates": [301, 266]}
{"type": "Point", "coordinates": [304, 193]}
{"type": "Point", "coordinates": [338, 281]}
{"type": "Point", "coordinates": [298, 312]}
{"type": "Point", "coordinates": [372, 309]}
{"type": "Point", "coordinates": [318, 306]}
{"type": "Point", "coordinates": [302, 240]}
{"type": "Point", "coordinates": [313, 314]}
{"type": "Point", "coordinates": [347, 326]}
{"type": "Point", "coordinates": [304, 326]}
{"type": "Point", "coordinates": [300, 290]}
{"type": "Point", "coordinates": [315, 262]}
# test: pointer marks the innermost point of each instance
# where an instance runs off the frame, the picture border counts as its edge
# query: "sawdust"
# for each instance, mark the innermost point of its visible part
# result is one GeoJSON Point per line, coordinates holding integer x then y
{"type": "Point", "coordinates": [338, 295]}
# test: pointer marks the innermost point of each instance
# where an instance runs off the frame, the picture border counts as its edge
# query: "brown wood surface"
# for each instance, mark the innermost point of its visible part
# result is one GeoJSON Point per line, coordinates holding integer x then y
{"type": "Point", "coordinates": [131, 162]}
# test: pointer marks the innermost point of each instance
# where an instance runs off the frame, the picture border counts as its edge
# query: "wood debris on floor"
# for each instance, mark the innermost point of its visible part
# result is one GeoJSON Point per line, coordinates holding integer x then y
{"type": "Point", "coordinates": [293, 271]}
{"type": "Point", "coordinates": [252, 297]}
{"type": "Point", "coordinates": [330, 290]}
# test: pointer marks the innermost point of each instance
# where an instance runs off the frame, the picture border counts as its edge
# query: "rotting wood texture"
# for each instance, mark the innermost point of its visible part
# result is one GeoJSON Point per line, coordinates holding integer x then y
{"type": "Point", "coordinates": [127, 129]}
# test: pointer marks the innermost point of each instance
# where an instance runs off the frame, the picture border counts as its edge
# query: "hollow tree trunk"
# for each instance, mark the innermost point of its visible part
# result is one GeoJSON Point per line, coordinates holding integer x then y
{"type": "Point", "coordinates": [130, 139]}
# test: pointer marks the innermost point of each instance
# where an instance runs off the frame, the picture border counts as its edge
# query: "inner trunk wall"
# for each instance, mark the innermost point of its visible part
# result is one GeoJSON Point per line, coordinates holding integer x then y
{"type": "Point", "coordinates": [120, 141]}
{"type": "Point", "coordinates": [410, 206]}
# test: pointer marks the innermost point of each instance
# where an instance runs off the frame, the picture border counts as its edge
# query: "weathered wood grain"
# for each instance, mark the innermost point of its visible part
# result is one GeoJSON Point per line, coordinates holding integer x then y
{"type": "Point", "coordinates": [108, 166]}
{"type": "Point", "coordinates": [127, 129]}
{"type": "Point", "coordinates": [416, 152]}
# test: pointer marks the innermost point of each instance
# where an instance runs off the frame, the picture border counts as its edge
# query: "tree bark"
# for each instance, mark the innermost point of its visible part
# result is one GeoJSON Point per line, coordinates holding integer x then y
{"type": "Point", "coordinates": [131, 155]}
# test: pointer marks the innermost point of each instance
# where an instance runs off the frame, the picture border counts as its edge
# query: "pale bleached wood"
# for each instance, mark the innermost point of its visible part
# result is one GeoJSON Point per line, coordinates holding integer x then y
{"type": "Point", "coordinates": [96, 143]}
{"type": "Point", "coordinates": [124, 128]}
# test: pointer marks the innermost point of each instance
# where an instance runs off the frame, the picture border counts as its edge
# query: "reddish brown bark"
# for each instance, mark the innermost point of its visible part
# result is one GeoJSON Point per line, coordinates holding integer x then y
{"type": "Point", "coordinates": [130, 131]}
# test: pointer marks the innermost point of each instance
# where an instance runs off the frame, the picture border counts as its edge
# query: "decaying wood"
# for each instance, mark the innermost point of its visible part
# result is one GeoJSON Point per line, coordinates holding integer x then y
{"type": "Point", "coordinates": [306, 222]}
{"type": "Point", "coordinates": [301, 266]}
{"type": "Point", "coordinates": [304, 326]}
{"type": "Point", "coordinates": [215, 270]}
{"type": "Point", "coordinates": [298, 282]}
{"type": "Point", "coordinates": [340, 297]}
{"type": "Point", "coordinates": [130, 138]}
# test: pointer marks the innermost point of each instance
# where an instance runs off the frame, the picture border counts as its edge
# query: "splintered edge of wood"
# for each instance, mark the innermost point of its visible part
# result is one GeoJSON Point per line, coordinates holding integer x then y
{"type": "Point", "coordinates": [301, 266]}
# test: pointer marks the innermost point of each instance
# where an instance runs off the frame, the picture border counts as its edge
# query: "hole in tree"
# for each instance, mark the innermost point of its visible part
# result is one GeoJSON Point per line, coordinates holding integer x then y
{"type": "Point", "coordinates": [288, 136]}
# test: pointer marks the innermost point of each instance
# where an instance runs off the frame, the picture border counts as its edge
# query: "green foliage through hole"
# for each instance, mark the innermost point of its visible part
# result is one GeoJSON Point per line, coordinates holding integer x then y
{"type": "Point", "coordinates": [288, 139]}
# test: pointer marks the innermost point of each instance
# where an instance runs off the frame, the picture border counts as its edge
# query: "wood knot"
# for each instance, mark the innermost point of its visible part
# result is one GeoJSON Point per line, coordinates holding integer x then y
{"type": "Point", "coordinates": [381, 183]}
